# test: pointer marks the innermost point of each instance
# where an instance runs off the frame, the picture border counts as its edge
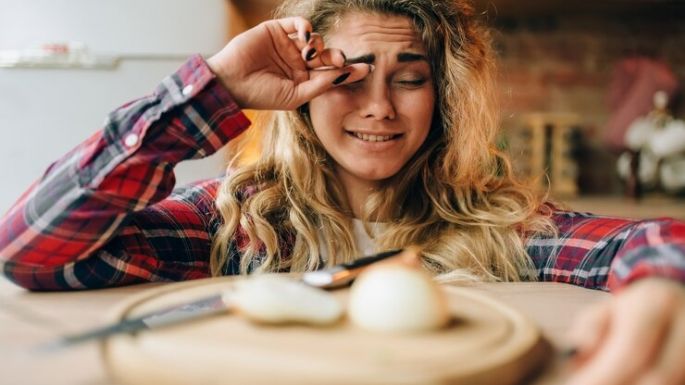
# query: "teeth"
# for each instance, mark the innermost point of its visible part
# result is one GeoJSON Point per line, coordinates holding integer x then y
{"type": "Point", "coordinates": [372, 138]}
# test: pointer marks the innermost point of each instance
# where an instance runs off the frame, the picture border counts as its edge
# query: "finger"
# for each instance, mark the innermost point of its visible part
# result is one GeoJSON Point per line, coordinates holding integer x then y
{"type": "Point", "coordinates": [636, 328]}
{"type": "Point", "coordinates": [313, 48]}
{"type": "Point", "coordinates": [669, 368]}
{"type": "Point", "coordinates": [298, 25]}
{"type": "Point", "coordinates": [301, 44]}
{"type": "Point", "coordinates": [589, 330]}
{"type": "Point", "coordinates": [297, 40]}
{"type": "Point", "coordinates": [323, 80]}
{"type": "Point", "coordinates": [331, 57]}
{"type": "Point", "coordinates": [287, 55]}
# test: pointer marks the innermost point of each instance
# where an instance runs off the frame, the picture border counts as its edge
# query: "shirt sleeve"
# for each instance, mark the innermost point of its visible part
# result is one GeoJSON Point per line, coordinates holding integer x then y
{"type": "Point", "coordinates": [608, 253]}
{"type": "Point", "coordinates": [102, 215]}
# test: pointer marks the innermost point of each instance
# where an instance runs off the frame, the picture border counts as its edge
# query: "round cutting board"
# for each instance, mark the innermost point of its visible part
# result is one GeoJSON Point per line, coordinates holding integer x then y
{"type": "Point", "coordinates": [486, 343]}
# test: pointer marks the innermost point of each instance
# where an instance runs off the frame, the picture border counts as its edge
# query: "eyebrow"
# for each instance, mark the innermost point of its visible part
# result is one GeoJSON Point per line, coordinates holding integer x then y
{"type": "Point", "coordinates": [368, 59]}
{"type": "Point", "coordinates": [402, 57]}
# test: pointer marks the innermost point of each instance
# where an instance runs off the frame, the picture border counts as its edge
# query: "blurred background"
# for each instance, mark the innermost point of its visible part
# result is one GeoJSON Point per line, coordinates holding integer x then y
{"type": "Point", "coordinates": [591, 91]}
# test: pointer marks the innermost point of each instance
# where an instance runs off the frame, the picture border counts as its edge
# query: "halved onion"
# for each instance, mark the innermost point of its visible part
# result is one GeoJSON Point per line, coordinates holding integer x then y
{"type": "Point", "coordinates": [277, 299]}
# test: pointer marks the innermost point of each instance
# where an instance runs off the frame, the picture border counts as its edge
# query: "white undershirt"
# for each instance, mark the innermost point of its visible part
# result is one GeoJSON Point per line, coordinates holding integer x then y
{"type": "Point", "coordinates": [365, 244]}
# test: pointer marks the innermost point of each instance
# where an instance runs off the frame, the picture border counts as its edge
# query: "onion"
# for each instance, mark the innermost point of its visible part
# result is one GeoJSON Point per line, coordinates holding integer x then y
{"type": "Point", "coordinates": [397, 298]}
{"type": "Point", "coordinates": [278, 299]}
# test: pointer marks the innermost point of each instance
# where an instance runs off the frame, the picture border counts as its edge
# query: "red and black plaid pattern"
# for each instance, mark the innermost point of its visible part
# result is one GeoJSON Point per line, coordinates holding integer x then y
{"type": "Point", "coordinates": [102, 215]}
{"type": "Point", "coordinates": [607, 253]}
{"type": "Point", "coordinates": [105, 214]}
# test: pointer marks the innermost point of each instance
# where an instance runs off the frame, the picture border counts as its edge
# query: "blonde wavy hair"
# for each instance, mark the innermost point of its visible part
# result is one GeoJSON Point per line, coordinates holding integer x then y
{"type": "Point", "coordinates": [457, 198]}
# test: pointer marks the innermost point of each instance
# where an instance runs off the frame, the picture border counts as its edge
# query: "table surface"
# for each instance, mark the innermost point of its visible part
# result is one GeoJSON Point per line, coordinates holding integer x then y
{"type": "Point", "coordinates": [651, 206]}
{"type": "Point", "coordinates": [30, 318]}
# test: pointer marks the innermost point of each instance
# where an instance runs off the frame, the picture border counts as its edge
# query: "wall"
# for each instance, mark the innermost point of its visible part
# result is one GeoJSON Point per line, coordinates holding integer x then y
{"type": "Point", "coordinates": [46, 112]}
{"type": "Point", "coordinates": [564, 64]}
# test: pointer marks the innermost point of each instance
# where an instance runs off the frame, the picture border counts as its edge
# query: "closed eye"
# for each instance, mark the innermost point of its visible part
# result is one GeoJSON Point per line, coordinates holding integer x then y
{"type": "Point", "coordinates": [410, 83]}
{"type": "Point", "coordinates": [413, 82]}
{"type": "Point", "coordinates": [417, 81]}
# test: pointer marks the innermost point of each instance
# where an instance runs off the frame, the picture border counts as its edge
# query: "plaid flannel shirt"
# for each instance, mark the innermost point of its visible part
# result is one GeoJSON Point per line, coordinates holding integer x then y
{"type": "Point", "coordinates": [105, 213]}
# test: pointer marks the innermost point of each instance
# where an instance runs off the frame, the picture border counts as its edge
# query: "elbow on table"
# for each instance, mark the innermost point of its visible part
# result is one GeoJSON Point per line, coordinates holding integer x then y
{"type": "Point", "coordinates": [62, 277]}
{"type": "Point", "coordinates": [35, 277]}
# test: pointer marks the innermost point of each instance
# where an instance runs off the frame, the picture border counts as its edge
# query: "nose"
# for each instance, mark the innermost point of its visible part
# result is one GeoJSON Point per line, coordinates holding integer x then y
{"type": "Point", "coordinates": [376, 101]}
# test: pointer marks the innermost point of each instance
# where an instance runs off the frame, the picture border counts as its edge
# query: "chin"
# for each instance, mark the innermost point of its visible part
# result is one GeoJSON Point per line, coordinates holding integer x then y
{"type": "Point", "coordinates": [376, 175]}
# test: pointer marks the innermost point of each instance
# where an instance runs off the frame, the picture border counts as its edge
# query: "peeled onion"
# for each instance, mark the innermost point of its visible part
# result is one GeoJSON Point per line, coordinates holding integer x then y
{"type": "Point", "coordinates": [278, 299]}
{"type": "Point", "coordinates": [397, 298]}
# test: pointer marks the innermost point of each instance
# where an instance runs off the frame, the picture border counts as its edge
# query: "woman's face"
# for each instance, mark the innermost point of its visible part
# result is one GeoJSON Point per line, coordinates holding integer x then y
{"type": "Point", "coordinates": [373, 127]}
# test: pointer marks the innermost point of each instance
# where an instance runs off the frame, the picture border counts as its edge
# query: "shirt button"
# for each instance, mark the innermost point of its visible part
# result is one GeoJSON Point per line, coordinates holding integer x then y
{"type": "Point", "coordinates": [187, 90]}
{"type": "Point", "coordinates": [131, 140]}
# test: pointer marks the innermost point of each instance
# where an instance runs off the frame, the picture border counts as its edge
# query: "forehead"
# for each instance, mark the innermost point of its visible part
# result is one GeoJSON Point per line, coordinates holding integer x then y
{"type": "Point", "coordinates": [363, 29]}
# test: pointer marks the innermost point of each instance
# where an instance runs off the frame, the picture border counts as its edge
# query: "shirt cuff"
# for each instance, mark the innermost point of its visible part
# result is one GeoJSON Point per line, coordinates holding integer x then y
{"type": "Point", "coordinates": [210, 114]}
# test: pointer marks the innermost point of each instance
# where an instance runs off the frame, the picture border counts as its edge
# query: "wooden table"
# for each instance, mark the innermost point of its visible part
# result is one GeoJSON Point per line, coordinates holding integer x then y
{"type": "Point", "coordinates": [28, 319]}
{"type": "Point", "coordinates": [651, 206]}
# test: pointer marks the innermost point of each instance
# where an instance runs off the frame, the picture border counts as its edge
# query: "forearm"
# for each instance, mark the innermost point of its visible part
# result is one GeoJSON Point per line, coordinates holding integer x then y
{"type": "Point", "coordinates": [654, 248]}
{"type": "Point", "coordinates": [607, 253]}
{"type": "Point", "coordinates": [84, 198]}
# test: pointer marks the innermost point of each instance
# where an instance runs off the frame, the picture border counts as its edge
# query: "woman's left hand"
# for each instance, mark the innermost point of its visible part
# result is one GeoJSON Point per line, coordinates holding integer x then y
{"type": "Point", "coordinates": [637, 337]}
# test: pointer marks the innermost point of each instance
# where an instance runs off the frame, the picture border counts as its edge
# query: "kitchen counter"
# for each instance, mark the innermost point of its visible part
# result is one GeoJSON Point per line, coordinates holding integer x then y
{"type": "Point", "coordinates": [651, 206]}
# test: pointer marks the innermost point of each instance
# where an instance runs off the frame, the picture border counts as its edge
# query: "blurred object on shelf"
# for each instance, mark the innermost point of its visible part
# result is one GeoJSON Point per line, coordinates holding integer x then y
{"type": "Point", "coordinates": [75, 55]}
{"type": "Point", "coordinates": [633, 84]}
{"type": "Point", "coordinates": [542, 146]}
{"type": "Point", "coordinates": [656, 152]}
{"type": "Point", "coordinates": [56, 55]}
{"type": "Point", "coordinates": [651, 206]}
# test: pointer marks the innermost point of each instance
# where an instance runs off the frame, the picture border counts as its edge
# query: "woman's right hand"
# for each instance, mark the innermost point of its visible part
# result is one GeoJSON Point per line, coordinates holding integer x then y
{"type": "Point", "coordinates": [266, 67]}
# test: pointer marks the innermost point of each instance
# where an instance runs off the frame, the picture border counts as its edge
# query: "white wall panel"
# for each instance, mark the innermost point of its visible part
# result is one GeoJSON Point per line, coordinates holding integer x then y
{"type": "Point", "coordinates": [46, 112]}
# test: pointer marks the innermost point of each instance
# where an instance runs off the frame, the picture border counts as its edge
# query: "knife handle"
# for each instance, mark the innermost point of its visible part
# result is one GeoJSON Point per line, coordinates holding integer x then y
{"type": "Point", "coordinates": [361, 262]}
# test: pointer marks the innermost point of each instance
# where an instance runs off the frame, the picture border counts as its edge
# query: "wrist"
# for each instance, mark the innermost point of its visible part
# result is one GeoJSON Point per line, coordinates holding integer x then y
{"type": "Point", "coordinates": [223, 74]}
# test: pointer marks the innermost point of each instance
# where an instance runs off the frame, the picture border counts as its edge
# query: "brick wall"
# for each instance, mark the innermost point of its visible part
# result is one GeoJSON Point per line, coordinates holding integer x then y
{"type": "Point", "coordinates": [565, 63]}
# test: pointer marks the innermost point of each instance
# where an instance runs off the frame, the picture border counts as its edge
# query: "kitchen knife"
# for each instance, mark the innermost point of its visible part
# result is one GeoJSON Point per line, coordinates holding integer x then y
{"type": "Point", "coordinates": [333, 277]}
{"type": "Point", "coordinates": [344, 273]}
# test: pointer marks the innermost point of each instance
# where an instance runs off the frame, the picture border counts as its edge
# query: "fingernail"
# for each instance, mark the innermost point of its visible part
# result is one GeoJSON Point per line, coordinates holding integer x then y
{"type": "Point", "coordinates": [341, 78]}
{"type": "Point", "coordinates": [307, 36]}
{"type": "Point", "coordinates": [371, 68]}
{"type": "Point", "coordinates": [344, 56]}
{"type": "Point", "coordinates": [310, 54]}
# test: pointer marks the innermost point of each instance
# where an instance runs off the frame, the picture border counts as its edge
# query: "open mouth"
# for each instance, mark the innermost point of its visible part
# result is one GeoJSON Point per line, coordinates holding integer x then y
{"type": "Point", "coordinates": [373, 138]}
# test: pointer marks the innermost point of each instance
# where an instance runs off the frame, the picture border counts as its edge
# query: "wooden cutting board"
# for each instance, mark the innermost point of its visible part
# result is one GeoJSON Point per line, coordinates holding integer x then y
{"type": "Point", "coordinates": [487, 343]}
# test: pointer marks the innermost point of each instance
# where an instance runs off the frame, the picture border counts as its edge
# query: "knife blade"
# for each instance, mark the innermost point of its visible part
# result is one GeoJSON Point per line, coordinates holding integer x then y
{"type": "Point", "coordinates": [329, 278]}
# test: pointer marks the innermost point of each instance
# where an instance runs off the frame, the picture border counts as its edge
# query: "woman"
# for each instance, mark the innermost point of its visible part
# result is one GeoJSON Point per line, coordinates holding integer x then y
{"type": "Point", "coordinates": [385, 138]}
